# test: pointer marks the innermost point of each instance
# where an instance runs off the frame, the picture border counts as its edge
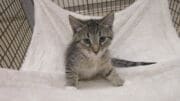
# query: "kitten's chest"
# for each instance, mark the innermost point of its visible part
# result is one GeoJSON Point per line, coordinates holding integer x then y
{"type": "Point", "coordinates": [89, 68]}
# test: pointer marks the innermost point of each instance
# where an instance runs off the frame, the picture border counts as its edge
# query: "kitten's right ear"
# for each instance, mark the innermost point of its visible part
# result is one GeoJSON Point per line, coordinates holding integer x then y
{"type": "Point", "coordinates": [75, 23]}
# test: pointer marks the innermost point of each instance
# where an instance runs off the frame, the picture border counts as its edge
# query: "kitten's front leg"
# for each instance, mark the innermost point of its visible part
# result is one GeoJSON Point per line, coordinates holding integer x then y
{"type": "Point", "coordinates": [112, 76]}
{"type": "Point", "coordinates": [72, 78]}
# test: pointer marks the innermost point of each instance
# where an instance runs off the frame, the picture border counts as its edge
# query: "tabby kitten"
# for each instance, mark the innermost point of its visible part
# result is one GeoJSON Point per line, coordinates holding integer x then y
{"type": "Point", "coordinates": [88, 56]}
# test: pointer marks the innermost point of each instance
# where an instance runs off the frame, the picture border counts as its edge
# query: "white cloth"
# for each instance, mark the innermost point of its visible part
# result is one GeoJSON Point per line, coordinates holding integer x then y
{"type": "Point", "coordinates": [143, 32]}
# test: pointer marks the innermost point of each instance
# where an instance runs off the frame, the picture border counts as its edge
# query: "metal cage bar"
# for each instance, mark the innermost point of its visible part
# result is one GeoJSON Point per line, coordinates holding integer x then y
{"type": "Point", "coordinates": [174, 6]}
{"type": "Point", "coordinates": [17, 21]}
{"type": "Point", "coordinates": [15, 34]}
{"type": "Point", "coordinates": [93, 7]}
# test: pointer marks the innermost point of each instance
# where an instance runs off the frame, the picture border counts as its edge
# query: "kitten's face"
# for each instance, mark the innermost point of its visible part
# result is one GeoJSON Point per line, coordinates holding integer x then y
{"type": "Point", "coordinates": [93, 36]}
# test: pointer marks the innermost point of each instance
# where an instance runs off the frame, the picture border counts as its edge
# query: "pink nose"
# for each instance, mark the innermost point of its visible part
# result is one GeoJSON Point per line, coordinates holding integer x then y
{"type": "Point", "coordinates": [95, 49]}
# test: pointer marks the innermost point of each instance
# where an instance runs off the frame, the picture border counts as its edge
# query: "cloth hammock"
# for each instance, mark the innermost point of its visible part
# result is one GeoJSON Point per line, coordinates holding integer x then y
{"type": "Point", "coordinates": [142, 32]}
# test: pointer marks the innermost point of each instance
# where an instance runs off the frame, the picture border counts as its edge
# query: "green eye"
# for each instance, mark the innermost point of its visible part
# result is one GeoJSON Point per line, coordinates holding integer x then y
{"type": "Point", "coordinates": [87, 41]}
{"type": "Point", "coordinates": [102, 39]}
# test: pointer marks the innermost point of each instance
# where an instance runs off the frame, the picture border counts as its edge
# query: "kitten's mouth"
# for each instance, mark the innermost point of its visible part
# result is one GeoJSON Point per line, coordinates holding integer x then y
{"type": "Point", "coordinates": [96, 52]}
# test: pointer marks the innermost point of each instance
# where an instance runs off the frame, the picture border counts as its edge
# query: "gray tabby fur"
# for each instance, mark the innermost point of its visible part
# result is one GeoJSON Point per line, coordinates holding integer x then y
{"type": "Point", "coordinates": [88, 56]}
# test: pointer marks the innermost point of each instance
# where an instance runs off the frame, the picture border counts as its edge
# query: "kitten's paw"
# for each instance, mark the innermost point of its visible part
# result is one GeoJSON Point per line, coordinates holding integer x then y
{"type": "Point", "coordinates": [70, 88]}
{"type": "Point", "coordinates": [118, 82]}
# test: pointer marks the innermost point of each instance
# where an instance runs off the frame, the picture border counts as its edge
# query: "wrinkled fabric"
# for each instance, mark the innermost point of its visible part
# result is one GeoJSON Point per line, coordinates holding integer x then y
{"type": "Point", "coordinates": [142, 32]}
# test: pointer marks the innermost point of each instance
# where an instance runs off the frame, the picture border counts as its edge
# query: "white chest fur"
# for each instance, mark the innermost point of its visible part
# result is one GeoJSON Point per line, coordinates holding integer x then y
{"type": "Point", "coordinates": [89, 68]}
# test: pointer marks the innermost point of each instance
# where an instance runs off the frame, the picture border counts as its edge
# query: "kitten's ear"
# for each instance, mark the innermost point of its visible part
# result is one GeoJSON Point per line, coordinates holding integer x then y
{"type": "Point", "coordinates": [75, 23]}
{"type": "Point", "coordinates": [108, 20]}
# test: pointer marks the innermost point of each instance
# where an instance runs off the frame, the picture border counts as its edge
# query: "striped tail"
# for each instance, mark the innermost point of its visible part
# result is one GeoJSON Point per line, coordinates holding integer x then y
{"type": "Point", "coordinates": [125, 63]}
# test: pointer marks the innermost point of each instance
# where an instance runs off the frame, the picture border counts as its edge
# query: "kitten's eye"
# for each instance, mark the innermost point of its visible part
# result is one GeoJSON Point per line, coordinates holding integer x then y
{"type": "Point", "coordinates": [87, 41]}
{"type": "Point", "coordinates": [102, 39]}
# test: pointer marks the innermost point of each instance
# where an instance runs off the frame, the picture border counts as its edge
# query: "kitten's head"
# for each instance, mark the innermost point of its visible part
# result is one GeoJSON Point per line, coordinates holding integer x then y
{"type": "Point", "coordinates": [92, 35]}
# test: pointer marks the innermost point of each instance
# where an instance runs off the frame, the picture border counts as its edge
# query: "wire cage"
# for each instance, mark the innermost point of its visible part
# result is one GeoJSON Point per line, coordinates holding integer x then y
{"type": "Point", "coordinates": [93, 7]}
{"type": "Point", "coordinates": [17, 21]}
{"type": "Point", "coordinates": [15, 34]}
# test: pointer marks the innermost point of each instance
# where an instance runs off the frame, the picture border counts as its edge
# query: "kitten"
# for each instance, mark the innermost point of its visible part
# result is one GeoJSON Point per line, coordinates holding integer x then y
{"type": "Point", "coordinates": [88, 56]}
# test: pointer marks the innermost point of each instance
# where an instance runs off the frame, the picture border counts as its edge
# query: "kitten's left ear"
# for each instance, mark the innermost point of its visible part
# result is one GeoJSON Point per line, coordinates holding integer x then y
{"type": "Point", "coordinates": [108, 20]}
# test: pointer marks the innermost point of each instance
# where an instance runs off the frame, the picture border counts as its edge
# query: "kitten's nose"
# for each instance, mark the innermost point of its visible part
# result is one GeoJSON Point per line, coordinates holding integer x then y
{"type": "Point", "coordinates": [95, 49]}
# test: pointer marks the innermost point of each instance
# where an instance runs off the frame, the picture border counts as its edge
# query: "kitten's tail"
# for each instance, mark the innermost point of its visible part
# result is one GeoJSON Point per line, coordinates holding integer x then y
{"type": "Point", "coordinates": [125, 63]}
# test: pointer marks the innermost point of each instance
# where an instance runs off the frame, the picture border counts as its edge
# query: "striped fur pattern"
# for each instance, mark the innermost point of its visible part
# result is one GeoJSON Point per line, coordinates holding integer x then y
{"type": "Point", "coordinates": [88, 56]}
{"type": "Point", "coordinates": [125, 63]}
